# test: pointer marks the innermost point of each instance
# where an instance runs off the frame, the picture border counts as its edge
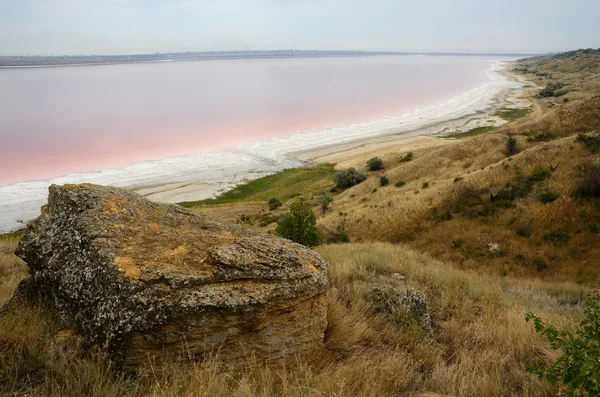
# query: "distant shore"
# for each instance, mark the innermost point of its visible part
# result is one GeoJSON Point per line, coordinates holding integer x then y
{"type": "Point", "coordinates": [99, 60]}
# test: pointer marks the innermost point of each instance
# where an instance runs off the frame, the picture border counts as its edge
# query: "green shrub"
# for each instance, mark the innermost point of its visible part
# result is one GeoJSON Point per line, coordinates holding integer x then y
{"type": "Point", "coordinates": [511, 145]}
{"type": "Point", "coordinates": [552, 89]}
{"type": "Point", "coordinates": [540, 264]}
{"type": "Point", "coordinates": [348, 178]}
{"type": "Point", "coordinates": [425, 185]}
{"type": "Point", "coordinates": [458, 179]}
{"type": "Point", "coordinates": [458, 243]}
{"type": "Point", "coordinates": [274, 203]}
{"type": "Point", "coordinates": [557, 237]}
{"type": "Point", "coordinates": [524, 230]}
{"type": "Point", "coordinates": [407, 157]}
{"type": "Point", "coordinates": [324, 200]}
{"type": "Point", "coordinates": [299, 225]}
{"type": "Point", "coordinates": [548, 196]}
{"type": "Point", "coordinates": [384, 181]}
{"type": "Point", "coordinates": [593, 228]}
{"type": "Point", "coordinates": [538, 174]}
{"type": "Point", "coordinates": [577, 369]}
{"type": "Point", "coordinates": [588, 185]}
{"type": "Point", "coordinates": [374, 164]}
{"type": "Point", "coordinates": [592, 143]}
{"type": "Point", "coordinates": [400, 183]}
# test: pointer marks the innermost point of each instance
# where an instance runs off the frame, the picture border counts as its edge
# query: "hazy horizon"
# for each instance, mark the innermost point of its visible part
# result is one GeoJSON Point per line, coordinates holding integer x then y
{"type": "Point", "coordinates": [126, 27]}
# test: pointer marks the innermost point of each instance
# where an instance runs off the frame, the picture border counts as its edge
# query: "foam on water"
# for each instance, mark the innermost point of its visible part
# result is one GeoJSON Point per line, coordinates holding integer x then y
{"type": "Point", "coordinates": [222, 170]}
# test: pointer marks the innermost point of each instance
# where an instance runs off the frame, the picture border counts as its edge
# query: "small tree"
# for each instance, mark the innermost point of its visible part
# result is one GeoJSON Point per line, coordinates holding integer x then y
{"type": "Point", "coordinates": [274, 203]}
{"type": "Point", "coordinates": [324, 200]}
{"type": "Point", "coordinates": [588, 185]}
{"type": "Point", "coordinates": [407, 157]}
{"type": "Point", "coordinates": [348, 178]}
{"type": "Point", "coordinates": [511, 145]}
{"type": "Point", "coordinates": [299, 225]}
{"type": "Point", "coordinates": [578, 368]}
{"type": "Point", "coordinates": [375, 164]}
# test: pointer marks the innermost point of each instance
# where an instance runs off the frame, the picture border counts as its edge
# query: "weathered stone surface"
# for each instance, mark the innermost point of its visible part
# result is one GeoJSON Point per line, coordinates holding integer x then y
{"type": "Point", "coordinates": [154, 280]}
{"type": "Point", "coordinates": [396, 302]}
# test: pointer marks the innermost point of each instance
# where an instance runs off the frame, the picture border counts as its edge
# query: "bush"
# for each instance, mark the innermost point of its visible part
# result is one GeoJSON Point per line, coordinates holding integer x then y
{"type": "Point", "coordinates": [274, 203]}
{"type": "Point", "coordinates": [548, 196]}
{"type": "Point", "coordinates": [593, 228]}
{"type": "Point", "coordinates": [324, 200]}
{"type": "Point", "coordinates": [384, 181]}
{"type": "Point", "coordinates": [538, 174]}
{"type": "Point", "coordinates": [592, 143]}
{"type": "Point", "coordinates": [407, 157]}
{"type": "Point", "coordinates": [425, 185]}
{"type": "Point", "coordinates": [578, 366]}
{"type": "Point", "coordinates": [589, 180]}
{"type": "Point", "coordinates": [400, 183]}
{"type": "Point", "coordinates": [348, 178]}
{"type": "Point", "coordinates": [511, 145]}
{"type": "Point", "coordinates": [299, 225]}
{"type": "Point", "coordinates": [552, 89]}
{"type": "Point", "coordinates": [557, 237]}
{"type": "Point", "coordinates": [375, 164]}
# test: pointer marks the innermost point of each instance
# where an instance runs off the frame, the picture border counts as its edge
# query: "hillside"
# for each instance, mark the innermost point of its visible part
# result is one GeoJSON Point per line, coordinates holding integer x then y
{"type": "Point", "coordinates": [535, 200]}
{"type": "Point", "coordinates": [440, 202]}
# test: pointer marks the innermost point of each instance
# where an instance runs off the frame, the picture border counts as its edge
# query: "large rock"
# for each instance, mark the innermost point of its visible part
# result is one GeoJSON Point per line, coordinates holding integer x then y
{"type": "Point", "coordinates": [153, 280]}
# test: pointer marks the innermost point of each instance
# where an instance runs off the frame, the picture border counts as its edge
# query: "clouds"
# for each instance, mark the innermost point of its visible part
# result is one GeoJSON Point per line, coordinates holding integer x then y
{"type": "Point", "coordinates": [134, 26]}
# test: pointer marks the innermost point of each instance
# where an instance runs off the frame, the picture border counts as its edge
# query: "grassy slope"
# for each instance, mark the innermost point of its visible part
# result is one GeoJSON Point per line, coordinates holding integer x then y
{"type": "Point", "coordinates": [478, 345]}
{"type": "Point", "coordinates": [478, 300]}
{"type": "Point", "coordinates": [285, 185]}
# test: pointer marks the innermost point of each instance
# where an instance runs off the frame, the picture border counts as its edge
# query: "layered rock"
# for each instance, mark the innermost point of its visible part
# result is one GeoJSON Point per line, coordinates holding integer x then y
{"type": "Point", "coordinates": [153, 281]}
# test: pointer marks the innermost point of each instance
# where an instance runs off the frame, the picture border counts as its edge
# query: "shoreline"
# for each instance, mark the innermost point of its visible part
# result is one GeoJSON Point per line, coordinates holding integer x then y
{"type": "Point", "coordinates": [509, 98]}
{"type": "Point", "coordinates": [179, 179]}
{"type": "Point", "coordinates": [342, 153]}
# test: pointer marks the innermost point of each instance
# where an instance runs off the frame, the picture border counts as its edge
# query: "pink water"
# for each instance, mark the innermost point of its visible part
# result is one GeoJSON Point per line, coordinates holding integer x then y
{"type": "Point", "coordinates": [55, 121]}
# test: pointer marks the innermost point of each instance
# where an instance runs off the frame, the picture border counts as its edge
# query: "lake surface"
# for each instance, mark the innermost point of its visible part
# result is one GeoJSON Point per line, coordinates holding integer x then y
{"type": "Point", "coordinates": [55, 121]}
{"type": "Point", "coordinates": [216, 121]}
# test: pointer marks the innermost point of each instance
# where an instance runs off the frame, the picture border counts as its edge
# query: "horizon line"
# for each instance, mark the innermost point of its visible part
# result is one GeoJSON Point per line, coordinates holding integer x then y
{"type": "Point", "coordinates": [364, 52]}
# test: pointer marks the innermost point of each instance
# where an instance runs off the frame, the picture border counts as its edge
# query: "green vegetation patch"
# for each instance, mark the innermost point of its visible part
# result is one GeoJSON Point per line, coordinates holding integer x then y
{"type": "Point", "coordinates": [16, 235]}
{"type": "Point", "coordinates": [285, 185]}
{"type": "Point", "coordinates": [592, 143]}
{"type": "Point", "coordinates": [471, 132]}
{"type": "Point", "coordinates": [511, 114]}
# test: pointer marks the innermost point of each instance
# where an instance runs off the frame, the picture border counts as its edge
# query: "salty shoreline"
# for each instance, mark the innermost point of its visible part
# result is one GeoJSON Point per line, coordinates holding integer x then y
{"type": "Point", "coordinates": [344, 153]}
{"type": "Point", "coordinates": [178, 179]}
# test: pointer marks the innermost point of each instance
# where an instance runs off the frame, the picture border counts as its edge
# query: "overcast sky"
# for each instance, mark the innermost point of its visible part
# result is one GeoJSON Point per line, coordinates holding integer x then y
{"type": "Point", "coordinates": [54, 27]}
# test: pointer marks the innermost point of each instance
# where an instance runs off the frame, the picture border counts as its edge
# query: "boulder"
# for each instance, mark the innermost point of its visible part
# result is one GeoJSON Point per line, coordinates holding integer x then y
{"type": "Point", "coordinates": [153, 281]}
{"type": "Point", "coordinates": [398, 303]}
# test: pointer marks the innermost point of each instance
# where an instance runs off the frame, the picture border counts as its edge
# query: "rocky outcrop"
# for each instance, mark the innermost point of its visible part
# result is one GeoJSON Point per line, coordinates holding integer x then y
{"type": "Point", "coordinates": [401, 305]}
{"type": "Point", "coordinates": [153, 280]}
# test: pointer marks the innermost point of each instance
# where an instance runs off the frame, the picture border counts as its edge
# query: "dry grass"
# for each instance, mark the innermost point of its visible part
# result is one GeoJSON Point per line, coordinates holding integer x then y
{"type": "Point", "coordinates": [478, 346]}
{"type": "Point", "coordinates": [404, 214]}
{"type": "Point", "coordinates": [478, 299]}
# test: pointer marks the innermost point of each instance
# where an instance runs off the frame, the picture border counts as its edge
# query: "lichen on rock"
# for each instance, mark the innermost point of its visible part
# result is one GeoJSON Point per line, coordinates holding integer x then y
{"type": "Point", "coordinates": [148, 280]}
{"type": "Point", "coordinates": [400, 304]}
